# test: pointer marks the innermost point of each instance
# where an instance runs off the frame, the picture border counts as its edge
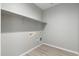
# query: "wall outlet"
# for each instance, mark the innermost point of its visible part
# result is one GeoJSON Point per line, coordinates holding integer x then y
{"type": "Point", "coordinates": [40, 39]}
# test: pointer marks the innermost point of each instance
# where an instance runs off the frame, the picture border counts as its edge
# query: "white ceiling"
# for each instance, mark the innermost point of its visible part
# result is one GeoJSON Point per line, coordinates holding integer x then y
{"type": "Point", "coordinates": [44, 6]}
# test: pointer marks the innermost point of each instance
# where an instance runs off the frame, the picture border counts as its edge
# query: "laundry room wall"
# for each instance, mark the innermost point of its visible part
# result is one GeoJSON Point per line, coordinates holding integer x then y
{"type": "Point", "coordinates": [62, 28]}
{"type": "Point", "coordinates": [19, 34]}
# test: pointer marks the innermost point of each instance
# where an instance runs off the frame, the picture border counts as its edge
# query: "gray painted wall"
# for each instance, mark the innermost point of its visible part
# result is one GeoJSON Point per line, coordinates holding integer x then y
{"type": "Point", "coordinates": [15, 30]}
{"type": "Point", "coordinates": [16, 43]}
{"type": "Point", "coordinates": [15, 34]}
{"type": "Point", "coordinates": [62, 26]}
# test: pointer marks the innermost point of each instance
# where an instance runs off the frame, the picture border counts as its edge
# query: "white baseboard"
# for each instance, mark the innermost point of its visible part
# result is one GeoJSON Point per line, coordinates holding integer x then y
{"type": "Point", "coordinates": [50, 46]}
{"type": "Point", "coordinates": [30, 50]}
{"type": "Point", "coordinates": [62, 49]}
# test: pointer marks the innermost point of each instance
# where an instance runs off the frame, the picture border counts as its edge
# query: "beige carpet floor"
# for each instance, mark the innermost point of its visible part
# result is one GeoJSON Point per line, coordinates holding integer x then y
{"type": "Point", "coordinates": [45, 50]}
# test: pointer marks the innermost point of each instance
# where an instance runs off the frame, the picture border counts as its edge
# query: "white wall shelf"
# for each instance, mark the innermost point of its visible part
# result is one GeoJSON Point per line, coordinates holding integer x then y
{"type": "Point", "coordinates": [9, 12]}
